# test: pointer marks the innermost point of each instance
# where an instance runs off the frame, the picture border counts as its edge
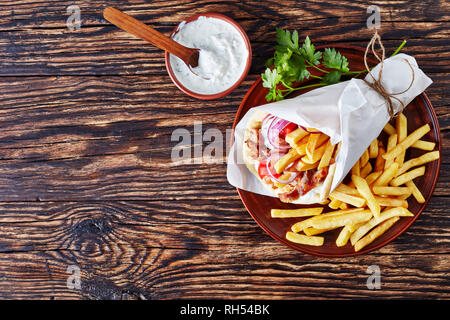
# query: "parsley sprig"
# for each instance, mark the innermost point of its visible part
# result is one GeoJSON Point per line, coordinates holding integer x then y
{"type": "Point", "coordinates": [291, 63]}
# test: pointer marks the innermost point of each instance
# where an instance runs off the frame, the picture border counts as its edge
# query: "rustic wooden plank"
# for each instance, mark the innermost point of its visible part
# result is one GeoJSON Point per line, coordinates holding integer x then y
{"type": "Point", "coordinates": [66, 159]}
{"type": "Point", "coordinates": [202, 224]}
{"type": "Point", "coordinates": [198, 211]}
{"type": "Point", "coordinates": [134, 176]}
{"type": "Point", "coordinates": [111, 106]}
{"type": "Point", "coordinates": [138, 97]}
{"type": "Point", "coordinates": [32, 14]}
{"type": "Point", "coordinates": [108, 50]}
{"type": "Point", "coordinates": [118, 168]}
{"type": "Point", "coordinates": [233, 273]}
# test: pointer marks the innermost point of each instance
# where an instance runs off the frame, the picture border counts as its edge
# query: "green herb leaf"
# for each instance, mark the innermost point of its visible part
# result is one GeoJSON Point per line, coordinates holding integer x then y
{"type": "Point", "coordinates": [270, 78]}
{"type": "Point", "coordinates": [269, 62]}
{"type": "Point", "coordinates": [308, 52]}
{"type": "Point", "coordinates": [332, 77]}
{"type": "Point", "coordinates": [334, 60]}
{"type": "Point", "coordinates": [286, 41]}
{"type": "Point", "coordinates": [299, 70]}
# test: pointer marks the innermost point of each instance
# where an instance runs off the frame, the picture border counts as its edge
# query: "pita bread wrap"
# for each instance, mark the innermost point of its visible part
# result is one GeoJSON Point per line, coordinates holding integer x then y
{"type": "Point", "coordinates": [319, 190]}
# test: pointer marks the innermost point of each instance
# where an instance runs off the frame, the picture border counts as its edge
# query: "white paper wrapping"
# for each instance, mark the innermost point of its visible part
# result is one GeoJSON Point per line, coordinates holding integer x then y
{"type": "Point", "coordinates": [350, 111]}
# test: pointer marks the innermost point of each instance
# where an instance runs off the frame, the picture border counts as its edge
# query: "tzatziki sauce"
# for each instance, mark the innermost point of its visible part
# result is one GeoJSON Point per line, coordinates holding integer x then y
{"type": "Point", "coordinates": [222, 57]}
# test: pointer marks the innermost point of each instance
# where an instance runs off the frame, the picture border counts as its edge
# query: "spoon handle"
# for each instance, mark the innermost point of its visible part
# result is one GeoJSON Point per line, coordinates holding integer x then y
{"type": "Point", "coordinates": [143, 31]}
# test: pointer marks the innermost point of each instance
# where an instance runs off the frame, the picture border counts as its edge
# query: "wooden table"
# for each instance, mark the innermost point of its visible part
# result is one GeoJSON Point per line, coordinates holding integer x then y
{"type": "Point", "coordinates": [86, 178]}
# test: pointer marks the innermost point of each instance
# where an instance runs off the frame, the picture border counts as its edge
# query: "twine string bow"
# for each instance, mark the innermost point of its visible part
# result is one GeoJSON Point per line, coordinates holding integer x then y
{"type": "Point", "coordinates": [376, 84]}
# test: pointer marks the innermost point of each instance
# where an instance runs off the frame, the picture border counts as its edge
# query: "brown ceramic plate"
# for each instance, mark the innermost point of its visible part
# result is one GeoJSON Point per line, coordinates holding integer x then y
{"type": "Point", "coordinates": [419, 112]}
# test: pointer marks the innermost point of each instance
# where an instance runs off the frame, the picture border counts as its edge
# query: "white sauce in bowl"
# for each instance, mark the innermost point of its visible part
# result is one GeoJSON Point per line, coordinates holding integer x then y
{"type": "Point", "coordinates": [222, 57]}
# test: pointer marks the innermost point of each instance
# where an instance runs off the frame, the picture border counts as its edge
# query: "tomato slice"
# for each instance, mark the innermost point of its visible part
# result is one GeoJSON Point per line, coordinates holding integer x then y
{"type": "Point", "coordinates": [288, 129]}
{"type": "Point", "coordinates": [262, 171]}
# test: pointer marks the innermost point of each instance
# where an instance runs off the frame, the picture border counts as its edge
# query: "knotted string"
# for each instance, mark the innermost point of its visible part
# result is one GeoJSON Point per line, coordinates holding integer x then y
{"type": "Point", "coordinates": [376, 84]}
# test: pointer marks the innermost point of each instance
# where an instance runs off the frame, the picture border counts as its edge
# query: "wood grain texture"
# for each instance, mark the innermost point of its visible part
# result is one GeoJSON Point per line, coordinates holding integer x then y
{"type": "Point", "coordinates": [86, 119]}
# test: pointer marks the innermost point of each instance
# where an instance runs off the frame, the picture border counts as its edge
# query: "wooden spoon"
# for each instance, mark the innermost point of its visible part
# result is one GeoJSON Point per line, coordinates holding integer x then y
{"type": "Point", "coordinates": [143, 31]}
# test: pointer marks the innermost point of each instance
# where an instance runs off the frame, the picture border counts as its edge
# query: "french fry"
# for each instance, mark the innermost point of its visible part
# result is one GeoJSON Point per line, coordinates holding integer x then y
{"type": "Point", "coordinates": [408, 176]}
{"type": "Point", "coordinates": [364, 159]}
{"type": "Point", "coordinates": [366, 170]}
{"type": "Point", "coordinates": [386, 214]}
{"type": "Point", "coordinates": [405, 196]}
{"type": "Point", "coordinates": [389, 129]}
{"type": "Point", "coordinates": [285, 160]}
{"type": "Point", "coordinates": [344, 206]}
{"type": "Point", "coordinates": [375, 233]}
{"type": "Point", "coordinates": [326, 157]}
{"type": "Point", "coordinates": [379, 162]}
{"type": "Point", "coordinates": [402, 132]}
{"type": "Point", "coordinates": [345, 233]}
{"type": "Point", "coordinates": [390, 191]}
{"type": "Point", "coordinates": [373, 176]}
{"type": "Point", "coordinates": [301, 149]}
{"type": "Point", "coordinates": [373, 149]}
{"type": "Point", "coordinates": [402, 126]}
{"type": "Point", "coordinates": [322, 139]}
{"type": "Point", "coordinates": [295, 136]}
{"type": "Point", "coordinates": [294, 213]}
{"type": "Point", "coordinates": [312, 144]}
{"type": "Point", "coordinates": [392, 142]}
{"type": "Point", "coordinates": [334, 204]}
{"type": "Point", "coordinates": [301, 225]}
{"type": "Point", "coordinates": [346, 189]}
{"type": "Point", "coordinates": [301, 166]}
{"type": "Point", "coordinates": [343, 236]}
{"type": "Point", "coordinates": [284, 176]}
{"type": "Point", "coordinates": [310, 231]}
{"type": "Point", "coordinates": [415, 192]}
{"type": "Point", "coordinates": [423, 145]}
{"type": "Point", "coordinates": [425, 158]}
{"type": "Point", "coordinates": [353, 200]}
{"type": "Point", "coordinates": [407, 142]}
{"type": "Point", "coordinates": [338, 212]}
{"type": "Point", "coordinates": [302, 141]}
{"type": "Point", "coordinates": [302, 239]}
{"type": "Point", "coordinates": [355, 169]}
{"type": "Point", "coordinates": [364, 190]}
{"type": "Point", "coordinates": [387, 175]}
{"type": "Point", "coordinates": [316, 155]}
{"type": "Point", "coordinates": [391, 202]}
{"type": "Point", "coordinates": [342, 220]}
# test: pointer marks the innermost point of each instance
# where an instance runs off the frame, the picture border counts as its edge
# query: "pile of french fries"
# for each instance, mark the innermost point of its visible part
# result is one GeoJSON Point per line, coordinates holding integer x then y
{"type": "Point", "coordinates": [376, 196]}
{"type": "Point", "coordinates": [308, 151]}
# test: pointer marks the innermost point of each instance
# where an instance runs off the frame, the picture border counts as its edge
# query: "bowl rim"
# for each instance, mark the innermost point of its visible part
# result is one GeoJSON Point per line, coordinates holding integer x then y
{"type": "Point", "coordinates": [368, 249]}
{"type": "Point", "coordinates": [244, 74]}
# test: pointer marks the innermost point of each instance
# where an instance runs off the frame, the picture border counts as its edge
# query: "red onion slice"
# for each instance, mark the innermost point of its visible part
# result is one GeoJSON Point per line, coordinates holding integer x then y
{"type": "Point", "coordinates": [277, 156]}
{"type": "Point", "coordinates": [291, 178]}
{"type": "Point", "coordinates": [273, 133]}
